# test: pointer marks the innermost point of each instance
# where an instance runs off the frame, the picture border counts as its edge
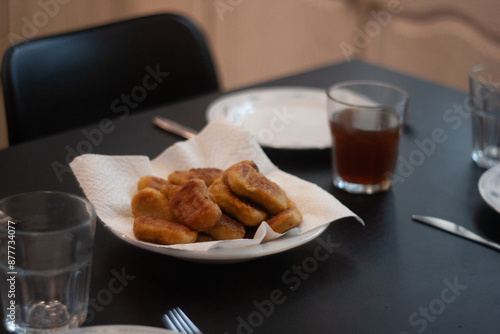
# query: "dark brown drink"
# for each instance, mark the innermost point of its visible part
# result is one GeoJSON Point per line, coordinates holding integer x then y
{"type": "Point", "coordinates": [365, 145]}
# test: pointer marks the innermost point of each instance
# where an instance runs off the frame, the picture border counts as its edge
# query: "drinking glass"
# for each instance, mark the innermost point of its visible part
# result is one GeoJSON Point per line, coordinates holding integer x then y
{"type": "Point", "coordinates": [46, 244]}
{"type": "Point", "coordinates": [484, 85]}
{"type": "Point", "coordinates": [366, 119]}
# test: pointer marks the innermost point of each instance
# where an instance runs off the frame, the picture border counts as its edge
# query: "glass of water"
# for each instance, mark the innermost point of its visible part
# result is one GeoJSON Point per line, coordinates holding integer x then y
{"type": "Point", "coordinates": [484, 85]}
{"type": "Point", "coordinates": [46, 244]}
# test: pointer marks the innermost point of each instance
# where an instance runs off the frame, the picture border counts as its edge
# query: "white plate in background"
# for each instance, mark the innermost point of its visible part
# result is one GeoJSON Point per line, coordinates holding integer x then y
{"type": "Point", "coordinates": [489, 187]}
{"type": "Point", "coordinates": [279, 117]}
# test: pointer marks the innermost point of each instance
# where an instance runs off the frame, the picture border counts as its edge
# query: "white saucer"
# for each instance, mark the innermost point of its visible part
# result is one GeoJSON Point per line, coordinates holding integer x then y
{"type": "Point", "coordinates": [279, 117]}
{"type": "Point", "coordinates": [121, 329]}
{"type": "Point", "coordinates": [489, 187]}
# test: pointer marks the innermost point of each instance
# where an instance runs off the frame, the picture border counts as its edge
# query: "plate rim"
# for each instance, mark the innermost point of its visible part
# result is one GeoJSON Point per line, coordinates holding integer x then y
{"type": "Point", "coordinates": [230, 255]}
{"type": "Point", "coordinates": [210, 113]}
{"type": "Point", "coordinates": [482, 186]}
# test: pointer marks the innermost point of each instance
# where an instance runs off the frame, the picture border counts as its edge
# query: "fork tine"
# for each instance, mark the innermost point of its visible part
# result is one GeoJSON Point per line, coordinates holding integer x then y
{"type": "Point", "coordinates": [190, 325]}
{"type": "Point", "coordinates": [168, 323]}
{"type": "Point", "coordinates": [176, 320]}
{"type": "Point", "coordinates": [181, 324]}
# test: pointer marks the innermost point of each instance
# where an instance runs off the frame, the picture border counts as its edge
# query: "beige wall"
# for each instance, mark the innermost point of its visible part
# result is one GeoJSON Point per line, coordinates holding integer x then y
{"type": "Point", "coordinates": [256, 40]}
{"type": "Point", "coordinates": [438, 40]}
{"type": "Point", "coordinates": [251, 40]}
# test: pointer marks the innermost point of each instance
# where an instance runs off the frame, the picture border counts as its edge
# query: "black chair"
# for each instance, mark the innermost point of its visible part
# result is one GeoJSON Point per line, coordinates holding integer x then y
{"type": "Point", "coordinates": [73, 79]}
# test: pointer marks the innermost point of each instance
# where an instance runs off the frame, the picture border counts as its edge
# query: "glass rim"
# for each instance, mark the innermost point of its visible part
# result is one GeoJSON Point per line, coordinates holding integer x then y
{"type": "Point", "coordinates": [481, 67]}
{"type": "Point", "coordinates": [92, 212]}
{"type": "Point", "coordinates": [405, 96]}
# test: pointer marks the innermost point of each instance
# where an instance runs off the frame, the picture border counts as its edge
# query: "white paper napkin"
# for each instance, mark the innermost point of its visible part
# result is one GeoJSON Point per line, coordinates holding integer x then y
{"type": "Point", "coordinates": [110, 182]}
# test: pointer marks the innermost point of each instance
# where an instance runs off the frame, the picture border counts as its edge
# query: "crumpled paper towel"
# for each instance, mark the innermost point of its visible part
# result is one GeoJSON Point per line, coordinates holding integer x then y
{"type": "Point", "coordinates": [110, 182]}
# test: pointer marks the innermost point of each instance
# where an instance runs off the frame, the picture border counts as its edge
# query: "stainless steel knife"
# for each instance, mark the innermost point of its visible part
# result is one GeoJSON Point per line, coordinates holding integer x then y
{"type": "Point", "coordinates": [455, 229]}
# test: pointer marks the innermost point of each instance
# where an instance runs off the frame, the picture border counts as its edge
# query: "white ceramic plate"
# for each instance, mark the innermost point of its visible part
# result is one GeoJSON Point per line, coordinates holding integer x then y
{"type": "Point", "coordinates": [121, 329]}
{"type": "Point", "coordinates": [489, 187]}
{"type": "Point", "coordinates": [279, 117]}
{"type": "Point", "coordinates": [233, 255]}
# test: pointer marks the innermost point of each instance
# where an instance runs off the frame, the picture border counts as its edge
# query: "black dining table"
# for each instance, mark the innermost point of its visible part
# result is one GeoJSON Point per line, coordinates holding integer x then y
{"type": "Point", "coordinates": [390, 275]}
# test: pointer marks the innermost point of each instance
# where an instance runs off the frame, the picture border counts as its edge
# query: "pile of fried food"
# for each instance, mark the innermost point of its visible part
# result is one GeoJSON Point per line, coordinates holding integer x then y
{"type": "Point", "coordinates": [206, 204]}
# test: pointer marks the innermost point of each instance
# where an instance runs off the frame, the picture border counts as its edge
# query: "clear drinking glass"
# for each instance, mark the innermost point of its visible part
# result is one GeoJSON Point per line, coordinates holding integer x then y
{"type": "Point", "coordinates": [46, 244]}
{"type": "Point", "coordinates": [366, 119]}
{"type": "Point", "coordinates": [484, 85]}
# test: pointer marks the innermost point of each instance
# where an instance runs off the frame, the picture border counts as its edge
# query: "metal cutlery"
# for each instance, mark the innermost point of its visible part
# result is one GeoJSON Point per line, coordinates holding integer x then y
{"type": "Point", "coordinates": [174, 127]}
{"type": "Point", "coordinates": [176, 320]}
{"type": "Point", "coordinates": [455, 229]}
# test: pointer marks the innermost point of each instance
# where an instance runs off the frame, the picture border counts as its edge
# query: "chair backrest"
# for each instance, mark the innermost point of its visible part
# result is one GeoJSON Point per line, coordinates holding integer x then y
{"type": "Point", "coordinates": [63, 81]}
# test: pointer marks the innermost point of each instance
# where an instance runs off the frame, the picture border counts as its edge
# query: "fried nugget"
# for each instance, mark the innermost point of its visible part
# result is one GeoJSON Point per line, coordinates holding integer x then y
{"type": "Point", "coordinates": [227, 228]}
{"type": "Point", "coordinates": [235, 207]}
{"type": "Point", "coordinates": [168, 189]}
{"type": "Point", "coordinates": [244, 162]}
{"type": "Point", "coordinates": [193, 207]}
{"type": "Point", "coordinates": [150, 181]}
{"type": "Point", "coordinates": [163, 232]}
{"type": "Point", "coordinates": [246, 181]}
{"type": "Point", "coordinates": [202, 237]}
{"type": "Point", "coordinates": [206, 174]}
{"type": "Point", "coordinates": [151, 202]}
{"type": "Point", "coordinates": [286, 220]}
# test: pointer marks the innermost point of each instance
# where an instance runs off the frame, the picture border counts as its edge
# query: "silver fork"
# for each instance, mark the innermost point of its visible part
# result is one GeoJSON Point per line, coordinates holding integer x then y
{"type": "Point", "coordinates": [176, 320]}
